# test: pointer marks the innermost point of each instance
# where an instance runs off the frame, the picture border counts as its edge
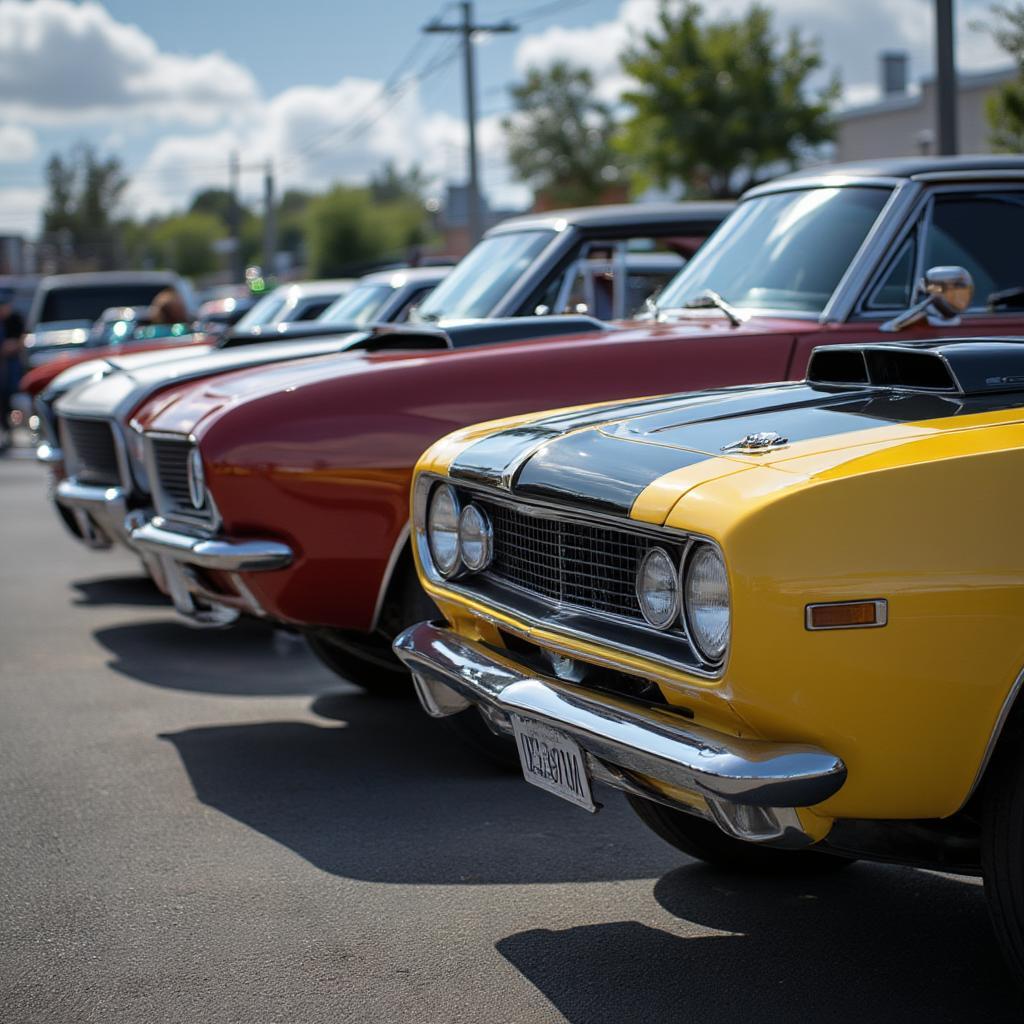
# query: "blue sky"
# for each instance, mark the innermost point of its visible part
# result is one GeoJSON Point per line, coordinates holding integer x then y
{"type": "Point", "coordinates": [171, 88]}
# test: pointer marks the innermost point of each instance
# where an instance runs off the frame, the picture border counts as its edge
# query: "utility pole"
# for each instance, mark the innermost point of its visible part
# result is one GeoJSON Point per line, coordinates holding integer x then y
{"type": "Point", "coordinates": [235, 217]}
{"type": "Point", "coordinates": [945, 77]}
{"type": "Point", "coordinates": [466, 30]}
{"type": "Point", "coordinates": [269, 221]}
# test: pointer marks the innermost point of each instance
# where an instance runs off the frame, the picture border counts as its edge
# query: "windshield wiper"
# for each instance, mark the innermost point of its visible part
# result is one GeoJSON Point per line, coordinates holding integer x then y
{"type": "Point", "coordinates": [710, 299]}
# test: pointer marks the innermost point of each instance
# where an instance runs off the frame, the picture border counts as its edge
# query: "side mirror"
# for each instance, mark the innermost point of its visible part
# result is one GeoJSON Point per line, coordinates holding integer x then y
{"type": "Point", "coordinates": [948, 292]}
{"type": "Point", "coordinates": [949, 288]}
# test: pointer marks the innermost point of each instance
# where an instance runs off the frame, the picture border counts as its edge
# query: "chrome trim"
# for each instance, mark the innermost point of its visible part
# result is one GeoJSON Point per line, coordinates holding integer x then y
{"type": "Point", "coordinates": [99, 511]}
{"type": "Point", "coordinates": [993, 175]}
{"type": "Point", "coordinates": [994, 736]}
{"type": "Point", "coordinates": [210, 552]}
{"type": "Point", "coordinates": [677, 644]}
{"type": "Point", "coordinates": [452, 673]}
{"type": "Point", "coordinates": [881, 614]}
{"type": "Point", "coordinates": [834, 180]}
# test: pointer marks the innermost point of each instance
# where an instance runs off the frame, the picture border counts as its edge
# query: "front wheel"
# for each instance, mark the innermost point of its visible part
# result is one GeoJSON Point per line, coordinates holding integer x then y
{"type": "Point", "coordinates": [705, 841]}
{"type": "Point", "coordinates": [360, 661]}
{"type": "Point", "coordinates": [1002, 854]}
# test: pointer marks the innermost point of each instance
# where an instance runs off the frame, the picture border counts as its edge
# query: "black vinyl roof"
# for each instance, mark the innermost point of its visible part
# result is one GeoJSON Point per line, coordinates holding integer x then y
{"type": "Point", "coordinates": [909, 166]}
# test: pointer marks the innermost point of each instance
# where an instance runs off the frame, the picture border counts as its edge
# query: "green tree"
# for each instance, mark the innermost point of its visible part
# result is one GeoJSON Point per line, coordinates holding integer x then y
{"type": "Point", "coordinates": [217, 202]}
{"type": "Point", "coordinates": [1004, 108]}
{"type": "Point", "coordinates": [560, 137]}
{"type": "Point", "coordinates": [185, 243]}
{"type": "Point", "coordinates": [717, 104]}
{"type": "Point", "coordinates": [389, 184]}
{"type": "Point", "coordinates": [84, 193]}
{"type": "Point", "coordinates": [347, 232]}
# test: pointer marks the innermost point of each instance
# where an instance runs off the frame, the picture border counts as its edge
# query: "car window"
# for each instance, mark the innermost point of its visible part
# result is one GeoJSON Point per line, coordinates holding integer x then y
{"type": "Point", "coordinates": [310, 310]}
{"type": "Point", "coordinates": [980, 233]}
{"type": "Point", "coordinates": [359, 306]}
{"type": "Point", "coordinates": [87, 302]}
{"type": "Point", "coordinates": [783, 250]}
{"type": "Point", "coordinates": [265, 311]}
{"type": "Point", "coordinates": [411, 302]}
{"type": "Point", "coordinates": [896, 289]}
{"type": "Point", "coordinates": [484, 276]}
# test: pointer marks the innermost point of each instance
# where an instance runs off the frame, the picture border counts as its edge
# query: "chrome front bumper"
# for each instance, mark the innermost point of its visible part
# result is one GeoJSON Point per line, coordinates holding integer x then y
{"type": "Point", "coordinates": [209, 552]}
{"type": "Point", "coordinates": [49, 454]}
{"type": "Point", "coordinates": [751, 787]}
{"type": "Point", "coordinates": [172, 558]}
{"type": "Point", "coordinates": [99, 511]}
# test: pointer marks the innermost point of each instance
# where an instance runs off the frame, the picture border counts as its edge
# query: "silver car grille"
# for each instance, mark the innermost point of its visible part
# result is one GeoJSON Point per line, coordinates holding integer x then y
{"type": "Point", "coordinates": [93, 451]}
{"type": "Point", "coordinates": [575, 563]}
{"type": "Point", "coordinates": [168, 469]}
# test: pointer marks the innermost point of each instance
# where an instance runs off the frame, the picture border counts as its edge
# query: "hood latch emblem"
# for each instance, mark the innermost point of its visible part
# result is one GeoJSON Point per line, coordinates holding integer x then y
{"type": "Point", "coordinates": [757, 444]}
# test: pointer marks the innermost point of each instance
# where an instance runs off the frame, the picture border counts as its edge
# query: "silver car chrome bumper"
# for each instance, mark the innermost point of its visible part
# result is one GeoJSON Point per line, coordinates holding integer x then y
{"type": "Point", "coordinates": [99, 511]}
{"type": "Point", "coordinates": [210, 553]}
{"type": "Point", "coordinates": [452, 673]}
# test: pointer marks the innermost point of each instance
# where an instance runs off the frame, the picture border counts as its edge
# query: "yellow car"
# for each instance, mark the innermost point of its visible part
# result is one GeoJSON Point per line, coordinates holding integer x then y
{"type": "Point", "coordinates": [784, 619]}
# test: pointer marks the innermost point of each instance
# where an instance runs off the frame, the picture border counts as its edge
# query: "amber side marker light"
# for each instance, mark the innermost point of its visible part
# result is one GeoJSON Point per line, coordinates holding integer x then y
{"type": "Point", "coordinates": [847, 615]}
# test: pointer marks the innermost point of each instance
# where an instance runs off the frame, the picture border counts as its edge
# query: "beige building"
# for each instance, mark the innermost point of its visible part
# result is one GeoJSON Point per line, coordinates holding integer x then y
{"type": "Point", "coordinates": [903, 123]}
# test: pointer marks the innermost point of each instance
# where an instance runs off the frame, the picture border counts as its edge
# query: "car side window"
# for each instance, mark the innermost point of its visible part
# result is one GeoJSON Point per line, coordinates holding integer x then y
{"type": "Point", "coordinates": [981, 233]}
{"type": "Point", "coordinates": [402, 316]}
{"type": "Point", "coordinates": [896, 289]}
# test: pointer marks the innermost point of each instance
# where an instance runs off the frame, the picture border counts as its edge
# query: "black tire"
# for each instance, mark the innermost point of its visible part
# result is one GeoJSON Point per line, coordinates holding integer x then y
{"type": "Point", "coordinates": [362, 664]}
{"type": "Point", "coordinates": [705, 841]}
{"type": "Point", "coordinates": [1002, 853]}
{"type": "Point", "coordinates": [367, 659]}
{"type": "Point", "coordinates": [471, 729]}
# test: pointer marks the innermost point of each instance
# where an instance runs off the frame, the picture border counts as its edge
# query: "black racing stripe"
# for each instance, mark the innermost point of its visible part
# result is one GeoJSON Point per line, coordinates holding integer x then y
{"type": "Point", "coordinates": [591, 470]}
{"type": "Point", "coordinates": [487, 460]}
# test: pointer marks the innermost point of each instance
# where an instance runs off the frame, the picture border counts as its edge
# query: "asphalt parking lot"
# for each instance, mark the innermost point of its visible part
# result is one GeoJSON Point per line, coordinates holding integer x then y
{"type": "Point", "coordinates": [207, 826]}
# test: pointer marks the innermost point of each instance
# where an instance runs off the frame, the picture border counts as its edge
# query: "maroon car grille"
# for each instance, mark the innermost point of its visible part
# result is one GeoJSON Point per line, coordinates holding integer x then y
{"type": "Point", "coordinates": [93, 452]}
{"type": "Point", "coordinates": [169, 473]}
{"type": "Point", "coordinates": [575, 563]}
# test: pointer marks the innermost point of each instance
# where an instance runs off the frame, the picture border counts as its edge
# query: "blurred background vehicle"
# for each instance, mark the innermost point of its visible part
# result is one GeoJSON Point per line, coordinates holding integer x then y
{"type": "Point", "coordinates": [387, 296]}
{"type": "Point", "coordinates": [65, 306]}
{"type": "Point", "coordinates": [291, 303]}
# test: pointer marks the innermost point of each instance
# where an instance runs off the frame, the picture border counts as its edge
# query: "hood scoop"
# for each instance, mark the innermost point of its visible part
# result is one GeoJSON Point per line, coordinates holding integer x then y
{"type": "Point", "coordinates": [975, 366]}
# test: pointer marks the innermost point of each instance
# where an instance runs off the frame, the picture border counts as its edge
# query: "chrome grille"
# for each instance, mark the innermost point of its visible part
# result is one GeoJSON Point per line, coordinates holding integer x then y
{"type": "Point", "coordinates": [568, 561]}
{"type": "Point", "coordinates": [93, 451]}
{"type": "Point", "coordinates": [169, 469]}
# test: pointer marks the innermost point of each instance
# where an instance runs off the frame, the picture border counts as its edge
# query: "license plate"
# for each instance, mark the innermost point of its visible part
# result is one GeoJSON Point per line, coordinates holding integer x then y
{"type": "Point", "coordinates": [553, 761]}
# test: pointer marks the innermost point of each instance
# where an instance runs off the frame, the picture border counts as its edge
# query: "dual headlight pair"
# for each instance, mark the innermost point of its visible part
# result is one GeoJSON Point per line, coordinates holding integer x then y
{"type": "Point", "coordinates": [459, 538]}
{"type": "Point", "coordinates": [696, 594]}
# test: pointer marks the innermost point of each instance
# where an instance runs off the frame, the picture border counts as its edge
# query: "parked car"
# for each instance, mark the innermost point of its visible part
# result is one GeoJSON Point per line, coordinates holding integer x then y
{"type": "Point", "coordinates": [65, 306]}
{"type": "Point", "coordinates": [104, 476]}
{"type": "Point", "coordinates": [530, 265]}
{"type": "Point", "coordinates": [386, 296]}
{"type": "Point", "coordinates": [291, 303]}
{"type": "Point", "coordinates": [216, 316]}
{"type": "Point", "coordinates": [782, 619]}
{"type": "Point", "coordinates": [312, 464]}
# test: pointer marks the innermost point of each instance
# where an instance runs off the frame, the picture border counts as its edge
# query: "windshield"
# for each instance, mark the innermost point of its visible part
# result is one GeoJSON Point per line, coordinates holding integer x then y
{"type": "Point", "coordinates": [787, 250]}
{"type": "Point", "coordinates": [265, 311]}
{"type": "Point", "coordinates": [87, 302]}
{"type": "Point", "coordinates": [484, 276]}
{"type": "Point", "coordinates": [360, 306]}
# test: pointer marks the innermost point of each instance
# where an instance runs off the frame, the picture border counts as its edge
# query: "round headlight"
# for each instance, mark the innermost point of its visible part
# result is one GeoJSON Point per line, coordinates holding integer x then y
{"type": "Point", "coordinates": [196, 479]}
{"type": "Point", "coordinates": [707, 601]}
{"type": "Point", "coordinates": [443, 529]}
{"type": "Point", "coordinates": [475, 538]}
{"type": "Point", "coordinates": [657, 588]}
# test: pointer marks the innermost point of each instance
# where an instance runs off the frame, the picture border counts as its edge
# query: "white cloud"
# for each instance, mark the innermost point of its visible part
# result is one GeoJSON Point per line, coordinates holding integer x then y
{"type": "Point", "coordinates": [18, 144]}
{"type": "Point", "coordinates": [61, 62]}
{"type": "Point", "coordinates": [21, 210]}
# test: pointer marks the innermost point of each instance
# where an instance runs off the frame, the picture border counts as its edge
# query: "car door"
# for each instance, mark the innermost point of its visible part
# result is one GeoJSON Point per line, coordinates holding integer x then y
{"type": "Point", "coordinates": [976, 227]}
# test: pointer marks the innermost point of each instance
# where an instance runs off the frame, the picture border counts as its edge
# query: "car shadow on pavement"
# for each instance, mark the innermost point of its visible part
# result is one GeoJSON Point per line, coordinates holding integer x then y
{"type": "Point", "coordinates": [389, 795]}
{"type": "Point", "coordinates": [250, 659]}
{"type": "Point", "coordinates": [131, 590]}
{"type": "Point", "coordinates": [874, 943]}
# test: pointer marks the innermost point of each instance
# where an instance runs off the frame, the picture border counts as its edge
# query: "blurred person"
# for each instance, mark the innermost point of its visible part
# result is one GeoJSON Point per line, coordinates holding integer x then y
{"type": "Point", "coordinates": [168, 307]}
{"type": "Point", "coordinates": [12, 332]}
